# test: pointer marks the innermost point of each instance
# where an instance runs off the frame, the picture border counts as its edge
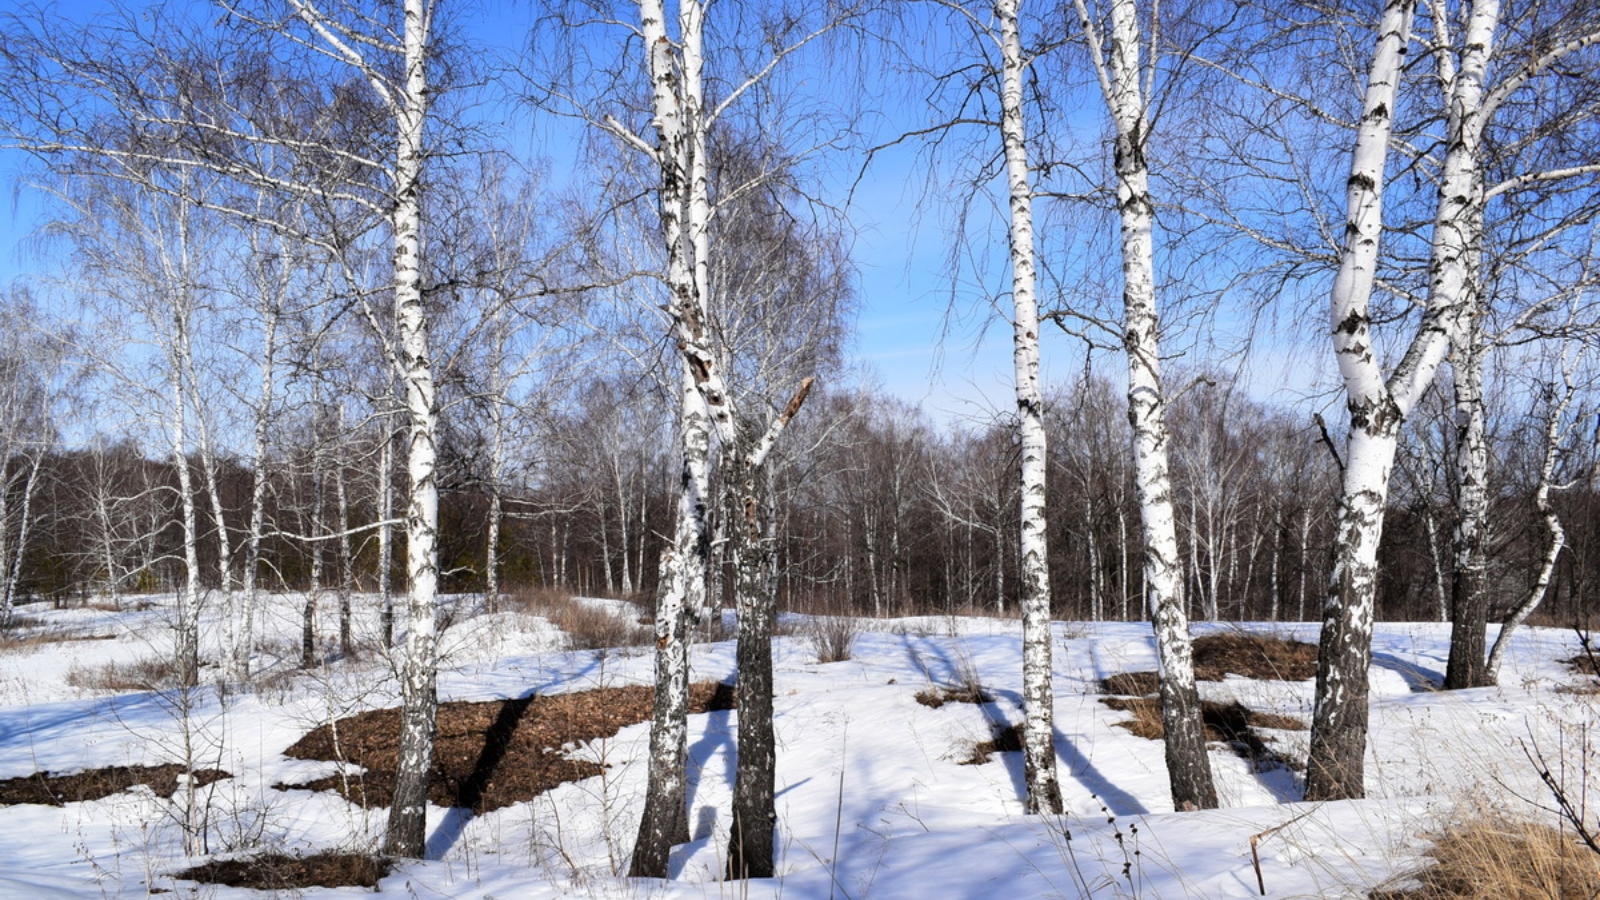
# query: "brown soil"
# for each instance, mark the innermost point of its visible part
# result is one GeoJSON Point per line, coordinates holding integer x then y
{"type": "Point", "coordinates": [1253, 656]}
{"type": "Point", "coordinates": [1131, 684]}
{"type": "Point", "coordinates": [1230, 723]}
{"type": "Point", "coordinates": [964, 693]}
{"type": "Point", "coordinates": [96, 784]}
{"type": "Point", "coordinates": [277, 871]}
{"type": "Point", "coordinates": [1007, 739]}
{"type": "Point", "coordinates": [493, 754]}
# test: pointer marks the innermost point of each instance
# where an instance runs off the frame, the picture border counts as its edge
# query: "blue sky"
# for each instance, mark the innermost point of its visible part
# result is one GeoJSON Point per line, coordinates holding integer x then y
{"type": "Point", "coordinates": [948, 351]}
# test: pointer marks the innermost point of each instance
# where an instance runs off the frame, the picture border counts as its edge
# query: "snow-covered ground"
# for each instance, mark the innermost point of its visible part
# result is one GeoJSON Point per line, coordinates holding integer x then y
{"type": "Point", "coordinates": [873, 798]}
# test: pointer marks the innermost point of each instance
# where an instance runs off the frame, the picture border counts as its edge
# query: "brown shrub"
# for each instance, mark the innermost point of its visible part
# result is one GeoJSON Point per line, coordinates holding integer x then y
{"type": "Point", "coordinates": [488, 755]}
{"type": "Point", "coordinates": [1496, 858]}
{"type": "Point", "coordinates": [277, 871]}
{"type": "Point", "coordinates": [833, 637]}
{"type": "Point", "coordinates": [46, 789]}
{"type": "Point", "coordinates": [588, 626]}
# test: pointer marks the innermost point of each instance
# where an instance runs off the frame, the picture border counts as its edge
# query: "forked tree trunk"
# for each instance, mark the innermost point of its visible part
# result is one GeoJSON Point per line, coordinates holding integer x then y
{"type": "Point", "coordinates": [1038, 696]}
{"type": "Point", "coordinates": [750, 844]}
{"type": "Point", "coordinates": [1335, 766]}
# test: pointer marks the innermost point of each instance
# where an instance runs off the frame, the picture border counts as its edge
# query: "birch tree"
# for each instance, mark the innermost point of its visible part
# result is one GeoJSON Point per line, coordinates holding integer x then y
{"type": "Point", "coordinates": [1038, 698]}
{"type": "Point", "coordinates": [684, 116]}
{"type": "Point", "coordinates": [1377, 408]}
{"type": "Point", "coordinates": [1488, 182]}
{"type": "Point", "coordinates": [1125, 84]}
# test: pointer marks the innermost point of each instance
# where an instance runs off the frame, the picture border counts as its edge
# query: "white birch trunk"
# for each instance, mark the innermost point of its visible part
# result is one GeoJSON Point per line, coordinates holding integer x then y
{"type": "Point", "coordinates": [1556, 535]}
{"type": "Point", "coordinates": [1335, 767]}
{"type": "Point", "coordinates": [187, 650]}
{"type": "Point", "coordinates": [1454, 286]}
{"type": "Point", "coordinates": [1118, 67]}
{"type": "Point", "coordinates": [386, 531]}
{"type": "Point", "coordinates": [1038, 698]}
{"type": "Point", "coordinates": [682, 579]}
{"type": "Point", "coordinates": [419, 673]}
{"type": "Point", "coordinates": [242, 643]}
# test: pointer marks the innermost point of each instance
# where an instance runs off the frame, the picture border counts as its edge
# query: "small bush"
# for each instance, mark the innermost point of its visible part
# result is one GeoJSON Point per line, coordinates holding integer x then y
{"type": "Point", "coordinates": [833, 637]}
{"type": "Point", "coordinates": [1498, 858]}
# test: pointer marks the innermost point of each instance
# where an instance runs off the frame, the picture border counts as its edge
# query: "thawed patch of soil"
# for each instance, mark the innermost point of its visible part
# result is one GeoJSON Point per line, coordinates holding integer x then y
{"type": "Point", "coordinates": [493, 754]}
{"type": "Point", "coordinates": [1229, 723]}
{"type": "Point", "coordinates": [1253, 656]}
{"type": "Point", "coordinates": [1007, 739]}
{"type": "Point", "coordinates": [933, 698]}
{"type": "Point", "coordinates": [96, 784]}
{"type": "Point", "coordinates": [278, 871]}
{"type": "Point", "coordinates": [1131, 684]}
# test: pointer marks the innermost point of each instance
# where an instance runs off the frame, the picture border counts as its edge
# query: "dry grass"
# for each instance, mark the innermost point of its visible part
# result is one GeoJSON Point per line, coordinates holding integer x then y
{"type": "Point", "coordinates": [140, 675]}
{"type": "Point", "coordinates": [28, 632]}
{"type": "Point", "coordinates": [1497, 858]}
{"type": "Point", "coordinates": [588, 626]}
{"type": "Point", "coordinates": [966, 692]}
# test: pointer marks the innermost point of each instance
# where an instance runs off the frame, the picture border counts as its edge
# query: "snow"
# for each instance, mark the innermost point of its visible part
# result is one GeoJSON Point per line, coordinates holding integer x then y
{"type": "Point", "coordinates": [873, 798]}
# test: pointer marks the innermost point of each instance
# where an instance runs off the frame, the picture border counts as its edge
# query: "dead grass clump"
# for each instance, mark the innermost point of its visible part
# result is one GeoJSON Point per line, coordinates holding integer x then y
{"type": "Point", "coordinates": [46, 789]}
{"type": "Point", "coordinates": [966, 692]}
{"type": "Point", "coordinates": [1583, 664]}
{"type": "Point", "coordinates": [279, 872]}
{"type": "Point", "coordinates": [1253, 656]}
{"type": "Point", "coordinates": [1007, 739]}
{"type": "Point", "coordinates": [1493, 858]}
{"type": "Point", "coordinates": [489, 755]}
{"type": "Point", "coordinates": [1131, 684]}
{"type": "Point", "coordinates": [155, 674]}
{"type": "Point", "coordinates": [1229, 723]}
{"type": "Point", "coordinates": [833, 637]}
{"type": "Point", "coordinates": [588, 626]}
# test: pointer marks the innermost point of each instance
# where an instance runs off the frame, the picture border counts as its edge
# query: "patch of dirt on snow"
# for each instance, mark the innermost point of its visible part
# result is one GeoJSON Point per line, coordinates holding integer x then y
{"type": "Point", "coordinates": [1253, 656]}
{"type": "Point", "coordinates": [933, 698]}
{"type": "Point", "coordinates": [277, 871]}
{"type": "Point", "coordinates": [488, 755]}
{"type": "Point", "coordinates": [1131, 684]}
{"type": "Point", "coordinates": [96, 784]}
{"type": "Point", "coordinates": [1007, 739]}
{"type": "Point", "coordinates": [1229, 723]}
